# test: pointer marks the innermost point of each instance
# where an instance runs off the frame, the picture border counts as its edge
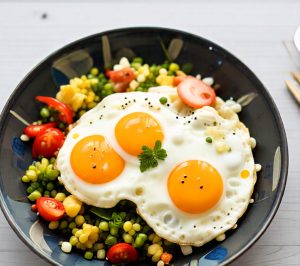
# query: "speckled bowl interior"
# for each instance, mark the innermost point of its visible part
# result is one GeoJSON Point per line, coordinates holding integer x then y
{"type": "Point", "coordinates": [236, 80]}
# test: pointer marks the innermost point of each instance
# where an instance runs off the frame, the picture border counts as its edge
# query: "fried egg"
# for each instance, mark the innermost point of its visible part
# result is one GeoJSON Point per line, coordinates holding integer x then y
{"type": "Point", "coordinates": [197, 193]}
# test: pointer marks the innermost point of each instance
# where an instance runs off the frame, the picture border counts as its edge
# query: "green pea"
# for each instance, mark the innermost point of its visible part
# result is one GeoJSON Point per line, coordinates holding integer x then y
{"type": "Point", "coordinates": [146, 229]}
{"type": "Point", "coordinates": [163, 100]}
{"type": "Point", "coordinates": [30, 189]}
{"type": "Point", "coordinates": [45, 112]}
{"type": "Point", "coordinates": [72, 225]}
{"type": "Point", "coordinates": [187, 68]}
{"type": "Point", "coordinates": [40, 189]}
{"type": "Point", "coordinates": [63, 224]}
{"type": "Point", "coordinates": [50, 186]}
{"type": "Point", "coordinates": [108, 86]}
{"type": "Point", "coordinates": [104, 226]}
{"type": "Point", "coordinates": [53, 193]}
{"type": "Point", "coordinates": [35, 185]}
{"type": "Point", "coordinates": [47, 193]}
{"type": "Point", "coordinates": [137, 60]}
{"type": "Point", "coordinates": [173, 67]}
{"type": "Point", "coordinates": [209, 140]}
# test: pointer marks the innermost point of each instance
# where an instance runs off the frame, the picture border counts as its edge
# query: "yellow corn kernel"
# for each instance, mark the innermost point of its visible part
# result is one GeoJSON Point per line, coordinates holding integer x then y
{"type": "Point", "coordinates": [91, 105]}
{"type": "Point", "coordinates": [180, 73]}
{"type": "Point", "coordinates": [88, 244]}
{"type": "Point", "coordinates": [79, 233]}
{"type": "Point", "coordinates": [87, 230]}
{"type": "Point", "coordinates": [164, 80]}
{"type": "Point", "coordinates": [93, 237]}
{"type": "Point", "coordinates": [157, 255]}
{"type": "Point", "coordinates": [152, 249]}
{"type": "Point", "coordinates": [95, 229]}
{"type": "Point", "coordinates": [84, 91]}
{"type": "Point", "coordinates": [78, 101]}
{"type": "Point", "coordinates": [72, 205]}
{"type": "Point", "coordinates": [83, 77]}
{"type": "Point", "coordinates": [85, 225]}
{"type": "Point", "coordinates": [83, 238]}
{"type": "Point", "coordinates": [156, 239]}
{"type": "Point", "coordinates": [89, 99]}
{"type": "Point", "coordinates": [97, 99]}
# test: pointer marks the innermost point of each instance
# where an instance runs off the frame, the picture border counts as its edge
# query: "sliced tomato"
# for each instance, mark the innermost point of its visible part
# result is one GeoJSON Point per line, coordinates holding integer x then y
{"type": "Point", "coordinates": [123, 75]}
{"type": "Point", "coordinates": [65, 112]}
{"type": "Point", "coordinates": [34, 130]}
{"type": "Point", "coordinates": [121, 86]}
{"type": "Point", "coordinates": [195, 93]}
{"type": "Point", "coordinates": [50, 209]}
{"type": "Point", "coordinates": [48, 143]}
{"type": "Point", "coordinates": [122, 253]}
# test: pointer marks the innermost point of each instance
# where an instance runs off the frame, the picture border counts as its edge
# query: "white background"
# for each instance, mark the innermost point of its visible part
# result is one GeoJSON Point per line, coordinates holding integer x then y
{"type": "Point", "coordinates": [252, 30]}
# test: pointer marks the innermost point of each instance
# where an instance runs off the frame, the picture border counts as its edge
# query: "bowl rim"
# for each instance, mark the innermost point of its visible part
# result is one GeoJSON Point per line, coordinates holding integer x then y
{"type": "Point", "coordinates": [246, 71]}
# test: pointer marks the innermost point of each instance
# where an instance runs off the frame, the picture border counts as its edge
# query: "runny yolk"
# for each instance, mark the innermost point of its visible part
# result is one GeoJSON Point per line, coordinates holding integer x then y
{"type": "Point", "coordinates": [94, 161]}
{"type": "Point", "coordinates": [136, 130]}
{"type": "Point", "coordinates": [195, 186]}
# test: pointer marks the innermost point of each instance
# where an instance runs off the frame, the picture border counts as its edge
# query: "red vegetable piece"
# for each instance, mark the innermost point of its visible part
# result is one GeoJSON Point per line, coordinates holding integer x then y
{"type": "Point", "coordinates": [48, 143]}
{"type": "Point", "coordinates": [50, 209]}
{"type": "Point", "coordinates": [121, 253]}
{"type": "Point", "coordinates": [123, 75]}
{"type": "Point", "coordinates": [34, 130]}
{"type": "Point", "coordinates": [195, 93]}
{"type": "Point", "coordinates": [65, 112]}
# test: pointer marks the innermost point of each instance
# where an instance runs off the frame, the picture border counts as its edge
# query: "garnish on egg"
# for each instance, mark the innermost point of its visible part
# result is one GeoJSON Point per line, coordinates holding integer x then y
{"type": "Point", "coordinates": [149, 157]}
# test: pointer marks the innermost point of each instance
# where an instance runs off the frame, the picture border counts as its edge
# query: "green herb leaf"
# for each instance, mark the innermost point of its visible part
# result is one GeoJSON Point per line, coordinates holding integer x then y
{"type": "Point", "coordinates": [102, 213]}
{"type": "Point", "coordinates": [149, 158]}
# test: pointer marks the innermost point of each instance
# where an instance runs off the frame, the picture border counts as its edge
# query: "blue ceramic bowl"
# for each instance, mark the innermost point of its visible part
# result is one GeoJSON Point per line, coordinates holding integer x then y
{"type": "Point", "coordinates": [235, 80]}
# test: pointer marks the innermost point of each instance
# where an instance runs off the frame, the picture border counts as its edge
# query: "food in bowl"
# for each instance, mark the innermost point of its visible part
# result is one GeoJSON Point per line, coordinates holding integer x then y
{"type": "Point", "coordinates": [138, 162]}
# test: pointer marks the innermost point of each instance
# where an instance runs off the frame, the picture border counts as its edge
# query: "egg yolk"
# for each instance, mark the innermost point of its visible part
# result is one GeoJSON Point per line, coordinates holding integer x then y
{"type": "Point", "coordinates": [136, 130]}
{"type": "Point", "coordinates": [94, 161]}
{"type": "Point", "coordinates": [195, 186]}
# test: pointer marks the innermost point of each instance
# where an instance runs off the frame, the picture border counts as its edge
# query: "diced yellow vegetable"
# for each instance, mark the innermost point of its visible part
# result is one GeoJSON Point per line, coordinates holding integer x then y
{"type": "Point", "coordinates": [72, 205]}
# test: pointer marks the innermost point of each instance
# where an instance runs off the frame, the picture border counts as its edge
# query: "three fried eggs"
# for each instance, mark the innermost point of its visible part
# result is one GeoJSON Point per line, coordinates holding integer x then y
{"type": "Point", "coordinates": [197, 193]}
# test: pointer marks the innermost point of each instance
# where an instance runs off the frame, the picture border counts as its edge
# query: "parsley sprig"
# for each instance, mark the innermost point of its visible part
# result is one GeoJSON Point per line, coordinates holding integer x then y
{"type": "Point", "coordinates": [149, 157]}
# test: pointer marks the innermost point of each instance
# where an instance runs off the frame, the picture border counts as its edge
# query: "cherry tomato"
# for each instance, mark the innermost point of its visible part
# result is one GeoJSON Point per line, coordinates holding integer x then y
{"type": "Point", "coordinates": [34, 130]}
{"type": "Point", "coordinates": [47, 143]}
{"type": "Point", "coordinates": [195, 93]}
{"type": "Point", "coordinates": [121, 86]}
{"type": "Point", "coordinates": [122, 75]}
{"type": "Point", "coordinates": [65, 112]}
{"type": "Point", "coordinates": [50, 209]}
{"type": "Point", "coordinates": [34, 207]}
{"type": "Point", "coordinates": [122, 252]}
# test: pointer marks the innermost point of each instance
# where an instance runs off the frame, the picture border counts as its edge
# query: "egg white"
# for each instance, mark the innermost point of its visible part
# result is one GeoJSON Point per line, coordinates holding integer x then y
{"type": "Point", "coordinates": [185, 131]}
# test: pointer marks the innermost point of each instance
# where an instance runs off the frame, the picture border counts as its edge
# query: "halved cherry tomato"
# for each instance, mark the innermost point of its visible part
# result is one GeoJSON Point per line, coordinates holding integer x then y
{"type": "Point", "coordinates": [195, 93]}
{"type": "Point", "coordinates": [123, 75]}
{"type": "Point", "coordinates": [65, 112]}
{"type": "Point", "coordinates": [33, 130]}
{"type": "Point", "coordinates": [121, 86]}
{"type": "Point", "coordinates": [47, 143]}
{"type": "Point", "coordinates": [121, 253]}
{"type": "Point", "coordinates": [50, 209]}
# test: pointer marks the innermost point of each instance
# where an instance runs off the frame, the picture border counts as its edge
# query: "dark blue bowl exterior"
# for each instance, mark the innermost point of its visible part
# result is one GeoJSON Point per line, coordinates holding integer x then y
{"type": "Point", "coordinates": [260, 116]}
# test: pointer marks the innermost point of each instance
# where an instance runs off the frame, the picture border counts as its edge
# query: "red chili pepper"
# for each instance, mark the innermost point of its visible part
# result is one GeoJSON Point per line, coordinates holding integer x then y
{"type": "Point", "coordinates": [34, 130]}
{"type": "Point", "coordinates": [65, 112]}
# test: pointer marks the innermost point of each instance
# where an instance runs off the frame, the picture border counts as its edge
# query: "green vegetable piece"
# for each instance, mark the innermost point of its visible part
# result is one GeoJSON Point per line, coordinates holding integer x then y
{"type": "Point", "coordinates": [137, 60]}
{"type": "Point", "coordinates": [88, 255]}
{"type": "Point", "coordinates": [102, 213]}
{"type": "Point", "coordinates": [34, 195]}
{"type": "Point", "coordinates": [209, 140]}
{"type": "Point", "coordinates": [103, 226]}
{"type": "Point", "coordinates": [187, 68]}
{"type": "Point", "coordinates": [163, 100]}
{"type": "Point", "coordinates": [110, 240]}
{"type": "Point", "coordinates": [44, 112]}
{"type": "Point", "coordinates": [149, 158]}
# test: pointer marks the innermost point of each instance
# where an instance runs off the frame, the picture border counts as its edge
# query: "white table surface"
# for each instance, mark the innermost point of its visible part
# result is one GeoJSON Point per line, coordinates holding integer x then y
{"type": "Point", "coordinates": [252, 30]}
